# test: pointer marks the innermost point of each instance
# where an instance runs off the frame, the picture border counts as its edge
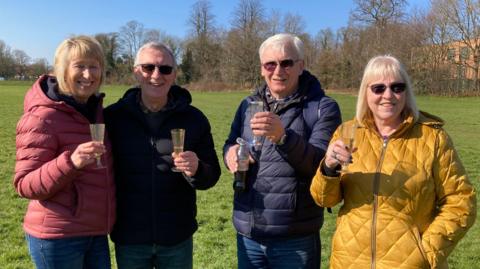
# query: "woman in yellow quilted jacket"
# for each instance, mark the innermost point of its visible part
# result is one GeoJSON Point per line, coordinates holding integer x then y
{"type": "Point", "coordinates": [407, 200]}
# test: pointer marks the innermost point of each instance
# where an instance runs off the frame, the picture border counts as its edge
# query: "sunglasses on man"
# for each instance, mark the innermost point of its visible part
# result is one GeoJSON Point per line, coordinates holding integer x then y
{"type": "Point", "coordinates": [285, 64]}
{"type": "Point", "coordinates": [163, 69]}
{"type": "Point", "coordinates": [396, 87]}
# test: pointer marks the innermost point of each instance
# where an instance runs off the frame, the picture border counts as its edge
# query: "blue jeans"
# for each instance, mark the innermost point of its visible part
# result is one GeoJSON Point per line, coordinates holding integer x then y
{"type": "Point", "coordinates": [298, 252]}
{"type": "Point", "coordinates": [82, 252]}
{"type": "Point", "coordinates": [150, 256]}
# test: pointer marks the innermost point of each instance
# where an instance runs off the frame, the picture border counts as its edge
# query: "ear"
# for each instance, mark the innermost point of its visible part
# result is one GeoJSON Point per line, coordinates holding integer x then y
{"type": "Point", "coordinates": [301, 66]}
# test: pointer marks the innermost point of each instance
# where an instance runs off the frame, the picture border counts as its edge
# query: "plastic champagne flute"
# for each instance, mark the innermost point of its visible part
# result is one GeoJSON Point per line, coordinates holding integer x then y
{"type": "Point", "coordinates": [178, 138]}
{"type": "Point", "coordinates": [97, 131]}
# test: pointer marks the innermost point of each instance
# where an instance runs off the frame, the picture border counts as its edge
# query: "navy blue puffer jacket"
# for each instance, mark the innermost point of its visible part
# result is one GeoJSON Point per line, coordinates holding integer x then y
{"type": "Point", "coordinates": [277, 202]}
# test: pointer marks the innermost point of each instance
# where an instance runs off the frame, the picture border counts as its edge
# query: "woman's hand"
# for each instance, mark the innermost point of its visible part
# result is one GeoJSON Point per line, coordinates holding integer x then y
{"type": "Point", "coordinates": [338, 153]}
{"type": "Point", "coordinates": [186, 162]}
{"type": "Point", "coordinates": [85, 153]}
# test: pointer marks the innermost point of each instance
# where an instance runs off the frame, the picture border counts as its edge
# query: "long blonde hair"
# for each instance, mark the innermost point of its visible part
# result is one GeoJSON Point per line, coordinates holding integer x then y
{"type": "Point", "coordinates": [384, 66]}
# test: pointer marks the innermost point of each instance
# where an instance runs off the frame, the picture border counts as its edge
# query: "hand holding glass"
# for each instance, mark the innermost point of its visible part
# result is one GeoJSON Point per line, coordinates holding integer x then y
{"type": "Point", "coordinates": [253, 108]}
{"type": "Point", "coordinates": [178, 138]}
{"type": "Point", "coordinates": [97, 131]}
{"type": "Point", "coordinates": [347, 134]}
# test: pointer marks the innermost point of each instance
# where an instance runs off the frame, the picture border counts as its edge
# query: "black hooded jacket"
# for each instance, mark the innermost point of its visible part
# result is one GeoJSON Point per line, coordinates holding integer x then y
{"type": "Point", "coordinates": [154, 204]}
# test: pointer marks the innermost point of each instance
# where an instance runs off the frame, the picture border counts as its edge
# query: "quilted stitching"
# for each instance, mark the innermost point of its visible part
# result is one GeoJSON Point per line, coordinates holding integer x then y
{"type": "Point", "coordinates": [406, 201]}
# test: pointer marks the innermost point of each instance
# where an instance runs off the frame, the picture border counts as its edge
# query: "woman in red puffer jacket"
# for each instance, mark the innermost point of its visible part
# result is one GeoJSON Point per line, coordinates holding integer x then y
{"type": "Point", "coordinates": [72, 201]}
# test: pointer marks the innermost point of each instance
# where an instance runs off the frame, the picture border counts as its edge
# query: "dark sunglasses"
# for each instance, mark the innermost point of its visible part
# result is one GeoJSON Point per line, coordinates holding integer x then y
{"type": "Point", "coordinates": [285, 64]}
{"type": "Point", "coordinates": [396, 87]}
{"type": "Point", "coordinates": [163, 69]}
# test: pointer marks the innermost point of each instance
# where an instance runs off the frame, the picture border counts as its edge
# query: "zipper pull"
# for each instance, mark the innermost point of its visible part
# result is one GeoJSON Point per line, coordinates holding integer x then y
{"type": "Point", "coordinates": [385, 140]}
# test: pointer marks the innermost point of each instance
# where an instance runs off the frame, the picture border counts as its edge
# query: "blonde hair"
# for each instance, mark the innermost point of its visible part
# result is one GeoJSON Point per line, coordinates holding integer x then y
{"type": "Point", "coordinates": [379, 67]}
{"type": "Point", "coordinates": [282, 42]}
{"type": "Point", "coordinates": [76, 47]}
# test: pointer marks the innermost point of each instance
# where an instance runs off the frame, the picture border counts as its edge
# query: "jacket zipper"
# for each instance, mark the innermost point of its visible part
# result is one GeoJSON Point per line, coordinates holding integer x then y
{"type": "Point", "coordinates": [376, 186]}
{"type": "Point", "coordinates": [154, 216]}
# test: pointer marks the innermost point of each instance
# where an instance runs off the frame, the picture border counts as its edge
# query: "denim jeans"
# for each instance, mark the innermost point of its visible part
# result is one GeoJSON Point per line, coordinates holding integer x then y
{"type": "Point", "coordinates": [150, 256]}
{"type": "Point", "coordinates": [82, 252]}
{"type": "Point", "coordinates": [298, 252]}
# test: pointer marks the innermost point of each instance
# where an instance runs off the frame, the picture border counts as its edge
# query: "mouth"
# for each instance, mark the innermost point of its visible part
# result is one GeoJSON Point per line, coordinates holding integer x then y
{"type": "Point", "coordinates": [156, 84]}
{"type": "Point", "coordinates": [85, 83]}
{"type": "Point", "coordinates": [279, 79]}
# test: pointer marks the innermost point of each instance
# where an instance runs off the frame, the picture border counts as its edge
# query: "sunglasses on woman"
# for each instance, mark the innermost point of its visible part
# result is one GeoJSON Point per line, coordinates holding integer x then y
{"type": "Point", "coordinates": [163, 69]}
{"type": "Point", "coordinates": [396, 87]}
{"type": "Point", "coordinates": [285, 64]}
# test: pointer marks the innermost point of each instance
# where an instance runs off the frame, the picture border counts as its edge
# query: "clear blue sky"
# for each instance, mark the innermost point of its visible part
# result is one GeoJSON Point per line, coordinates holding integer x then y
{"type": "Point", "coordinates": [37, 27]}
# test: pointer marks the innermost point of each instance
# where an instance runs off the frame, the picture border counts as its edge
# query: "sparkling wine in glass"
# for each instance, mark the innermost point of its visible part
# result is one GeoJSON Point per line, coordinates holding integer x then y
{"type": "Point", "coordinates": [253, 108]}
{"type": "Point", "coordinates": [178, 138]}
{"type": "Point", "coordinates": [97, 131]}
{"type": "Point", "coordinates": [347, 134]}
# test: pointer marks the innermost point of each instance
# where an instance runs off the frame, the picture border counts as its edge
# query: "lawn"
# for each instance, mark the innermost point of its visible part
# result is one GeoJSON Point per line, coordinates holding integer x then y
{"type": "Point", "coordinates": [214, 242]}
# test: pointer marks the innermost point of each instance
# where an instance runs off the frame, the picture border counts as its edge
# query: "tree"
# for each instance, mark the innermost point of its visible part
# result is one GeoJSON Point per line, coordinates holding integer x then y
{"type": "Point", "coordinates": [111, 47]}
{"type": "Point", "coordinates": [378, 12]}
{"type": "Point", "coordinates": [38, 67]}
{"type": "Point", "coordinates": [242, 42]}
{"type": "Point", "coordinates": [7, 63]}
{"type": "Point", "coordinates": [202, 48]}
{"type": "Point", "coordinates": [132, 36]}
{"type": "Point", "coordinates": [22, 60]}
{"type": "Point", "coordinates": [293, 24]}
{"type": "Point", "coordinates": [463, 23]}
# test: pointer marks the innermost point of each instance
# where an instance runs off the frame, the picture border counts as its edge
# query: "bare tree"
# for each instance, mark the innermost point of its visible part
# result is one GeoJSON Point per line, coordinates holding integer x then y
{"type": "Point", "coordinates": [463, 21]}
{"type": "Point", "coordinates": [274, 22]}
{"type": "Point", "coordinates": [22, 60]}
{"type": "Point", "coordinates": [6, 61]}
{"type": "Point", "coordinates": [378, 12]}
{"type": "Point", "coordinates": [202, 50]}
{"type": "Point", "coordinates": [39, 67]}
{"type": "Point", "coordinates": [111, 49]}
{"type": "Point", "coordinates": [293, 23]}
{"type": "Point", "coordinates": [247, 33]}
{"type": "Point", "coordinates": [132, 36]}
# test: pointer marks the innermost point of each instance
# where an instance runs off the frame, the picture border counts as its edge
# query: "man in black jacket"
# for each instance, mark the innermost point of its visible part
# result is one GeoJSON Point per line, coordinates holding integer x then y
{"type": "Point", "coordinates": [156, 207]}
{"type": "Point", "coordinates": [276, 218]}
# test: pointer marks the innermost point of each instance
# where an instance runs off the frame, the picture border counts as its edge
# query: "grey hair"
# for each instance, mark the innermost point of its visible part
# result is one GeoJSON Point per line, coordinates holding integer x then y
{"type": "Point", "coordinates": [379, 67]}
{"type": "Point", "coordinates": [282, 42]}
{"type": "Point", "coordinates": [157, 46]}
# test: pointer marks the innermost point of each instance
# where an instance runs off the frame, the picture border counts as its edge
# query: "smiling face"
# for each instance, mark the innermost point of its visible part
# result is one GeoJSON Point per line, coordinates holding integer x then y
{"type": "Point", "coordinates": [282, 81]}
{"type": "Point", "coordinates": [154, 85]}
{"type": "Point", "coordinates": [82, 78]}
{"type": "Point", "coordinates": [386, 107]}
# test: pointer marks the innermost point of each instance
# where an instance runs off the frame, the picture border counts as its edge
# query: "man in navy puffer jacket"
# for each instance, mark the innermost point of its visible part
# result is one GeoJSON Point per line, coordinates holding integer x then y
{"type": "Point", "coordinates": [276, 219]}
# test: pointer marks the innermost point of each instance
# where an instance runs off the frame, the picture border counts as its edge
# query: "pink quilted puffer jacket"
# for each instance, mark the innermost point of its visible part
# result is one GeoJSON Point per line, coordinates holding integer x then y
{"type": "Point", "coordinates": [64, 201]}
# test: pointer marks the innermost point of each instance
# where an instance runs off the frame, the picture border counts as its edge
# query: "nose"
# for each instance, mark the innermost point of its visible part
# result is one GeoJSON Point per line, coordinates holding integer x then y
{"type": "Point", "coordinates": [87, 72]}
{"type": "Point", "coordinates": [388, 93]}
{"type": "Point", "coordinates": [156, 73]}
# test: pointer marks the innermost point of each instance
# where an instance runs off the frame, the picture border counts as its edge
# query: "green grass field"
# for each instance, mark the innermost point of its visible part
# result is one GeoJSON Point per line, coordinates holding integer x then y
{"type": "Point", "coordinates": [214, 242]}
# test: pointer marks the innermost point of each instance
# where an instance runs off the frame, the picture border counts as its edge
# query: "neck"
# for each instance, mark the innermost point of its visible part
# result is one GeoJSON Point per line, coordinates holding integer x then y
{"type": "Point", "coordinates": [282, 95]}
{"type": "Point", "coordinates": [153, 105]}
{"type": "Point", "coordinates": [387, 128]}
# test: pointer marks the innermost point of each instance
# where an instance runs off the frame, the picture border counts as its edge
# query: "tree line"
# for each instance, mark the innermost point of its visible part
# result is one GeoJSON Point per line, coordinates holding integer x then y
{"type": "Point", "coordinates": [439, 46]}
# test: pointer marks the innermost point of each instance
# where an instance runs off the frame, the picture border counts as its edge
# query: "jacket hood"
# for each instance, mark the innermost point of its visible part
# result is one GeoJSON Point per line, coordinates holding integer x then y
{"type": "Point", "coordinates": [37, 96]}
{"type": "Point", "coordinates": [42, 93]}
{"type": "Point", "coordinates": [424, 118]}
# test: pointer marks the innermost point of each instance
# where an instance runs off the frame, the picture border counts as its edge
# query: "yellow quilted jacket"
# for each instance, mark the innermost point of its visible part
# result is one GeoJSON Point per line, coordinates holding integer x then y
{"type": "Point", "coordinates": [407, 200]}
